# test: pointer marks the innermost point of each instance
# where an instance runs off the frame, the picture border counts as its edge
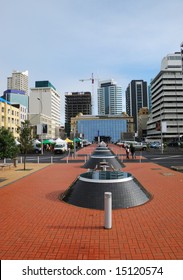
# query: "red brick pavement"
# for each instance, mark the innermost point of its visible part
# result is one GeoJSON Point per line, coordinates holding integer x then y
{"type": "Point", "coordinates": [35, 224]}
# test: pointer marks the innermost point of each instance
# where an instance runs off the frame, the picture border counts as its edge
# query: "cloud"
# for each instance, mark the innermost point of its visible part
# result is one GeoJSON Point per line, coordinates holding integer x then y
{"type": "Point", "coordinates": [66, 40]}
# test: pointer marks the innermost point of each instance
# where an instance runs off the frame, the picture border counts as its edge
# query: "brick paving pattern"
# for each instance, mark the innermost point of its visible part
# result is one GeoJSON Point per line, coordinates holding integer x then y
{"type": "Point", "coordinates": [35, 224]}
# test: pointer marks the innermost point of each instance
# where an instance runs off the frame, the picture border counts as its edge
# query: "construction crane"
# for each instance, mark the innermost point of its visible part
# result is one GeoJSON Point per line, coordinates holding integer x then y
{"type": "Point", "coordinates": [94, 102]}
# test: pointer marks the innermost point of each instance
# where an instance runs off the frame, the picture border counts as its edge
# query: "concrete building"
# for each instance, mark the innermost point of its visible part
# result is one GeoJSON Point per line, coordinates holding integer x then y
{"type": "Point", "coordinates": [75, 103]}
{"type": "Point", "coordinates": [166, 118]}
{"type": "Point", "coordinates": [23, 113]}
{"type": "Point", "coordinates": [18, 81]}
{"type": "Point", "coordinates": [44, 101]}
{"type": "Point", "coordinates": [109, 98]}
{"type": "Point", "coordinates": [108, 128]}
{"type": "Point", "coordinates": [136, 98]}
{"type": "Point", "coordinates": [36, 120]}
{"type": "Point", "coordinates": [9, 117]}
{"type": "Point", "coordinates": [142, 123]}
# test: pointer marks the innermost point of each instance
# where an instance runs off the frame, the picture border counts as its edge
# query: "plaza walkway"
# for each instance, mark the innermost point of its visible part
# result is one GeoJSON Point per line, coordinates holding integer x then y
{"type": "Point", "coordinates": [35, 224]}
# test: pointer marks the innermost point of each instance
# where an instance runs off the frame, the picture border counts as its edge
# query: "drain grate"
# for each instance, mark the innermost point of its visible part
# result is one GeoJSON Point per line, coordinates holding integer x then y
{"type": "Point", "coordinates": [167, 174]}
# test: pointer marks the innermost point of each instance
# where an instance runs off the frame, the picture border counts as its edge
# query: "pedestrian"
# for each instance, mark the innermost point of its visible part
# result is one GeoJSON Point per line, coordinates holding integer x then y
{"type": "Point", "coordinates": [127, 152]}
{"type": "Point", "coordinates": [132, 150]}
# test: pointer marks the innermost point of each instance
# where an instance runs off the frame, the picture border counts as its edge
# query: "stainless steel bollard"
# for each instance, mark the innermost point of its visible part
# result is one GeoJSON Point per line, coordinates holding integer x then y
{"type": "Point", "coordinates": [107, 210]}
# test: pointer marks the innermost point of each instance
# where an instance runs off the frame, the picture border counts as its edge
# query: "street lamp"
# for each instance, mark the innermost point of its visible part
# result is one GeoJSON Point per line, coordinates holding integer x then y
{"type": "Point", "coordinates": [41, 125]}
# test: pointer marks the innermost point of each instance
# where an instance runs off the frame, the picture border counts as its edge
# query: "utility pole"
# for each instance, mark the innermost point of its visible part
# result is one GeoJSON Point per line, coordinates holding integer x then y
{"type": "Point", "coordinates": [94, 101]}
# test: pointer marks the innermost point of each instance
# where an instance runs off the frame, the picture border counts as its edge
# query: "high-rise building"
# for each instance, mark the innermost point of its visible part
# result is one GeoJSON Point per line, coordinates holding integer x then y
{"type": "Point", "coordinates": [18, 81]}
{"type": "Point", "coordinates": [109, 98]}
{"type": "Point", "coordinates": [15, 96]}
{"type": "Point", "coordinates": [166, 118]}
{"type": "Point", "coordinates": [75, 103]}
{"type": "Point", "coordinates": [44, 101]}
{"type": "Point", "coordinates": [136, 98]}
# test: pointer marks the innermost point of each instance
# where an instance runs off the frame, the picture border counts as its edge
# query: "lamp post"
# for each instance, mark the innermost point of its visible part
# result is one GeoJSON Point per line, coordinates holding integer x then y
{"type": "Point", "coordinates": [41, 125]}
{"type": "Point", "coordinates": [181, 52]}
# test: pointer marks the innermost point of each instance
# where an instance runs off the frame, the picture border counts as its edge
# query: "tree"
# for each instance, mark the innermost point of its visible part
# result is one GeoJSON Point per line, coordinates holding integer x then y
{"type": "Point", "coordinates": [8, 147]}
{"type": "Point", "coordinates": [25, 139]}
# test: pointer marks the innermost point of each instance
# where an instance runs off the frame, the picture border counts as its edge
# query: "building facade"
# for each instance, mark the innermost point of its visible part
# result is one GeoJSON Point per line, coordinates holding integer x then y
{"type": "Point", "coordinates": [9, 117]}
{"type": "Point", "coordinates": [109, 98]}
{"type": "Point", "coordinates": [136, 98]}
{"type": "Point", "coordinates": [166, 118]}
{"type": "Point", "coordinates": [108, 128]}
{"type": "Point", "coordinates": [143, 117]}
{"type": "Point", "coordinates": [15, 96]}
{"type": "Point", "coordinates": [36, 120]}
{"type": "Point", "coordinates": [44, 100]}
{"type": "Point", "coordinates": [18, 81]}
{"type": "Point", "coordinates": [75, 103]}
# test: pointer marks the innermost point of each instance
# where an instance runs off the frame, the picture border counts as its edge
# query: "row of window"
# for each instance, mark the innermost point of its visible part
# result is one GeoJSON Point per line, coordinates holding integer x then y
{"type": "Point", "coordinates": [10, 120]}
{"type": "Point", "coordinates": [12, 112]}
{"type": "Point", "coordinates": [13, 129]}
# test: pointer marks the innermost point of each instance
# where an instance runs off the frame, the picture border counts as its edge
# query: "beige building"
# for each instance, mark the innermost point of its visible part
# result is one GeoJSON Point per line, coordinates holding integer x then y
{"type": "Point", "coordinates": [18, 81]}
{"type": "Point", "coordinates": [37, 119]}
{"type": "Point", "coordinates": [44, 106]}
{"type": "Point", "coordinates": [9, 117]}
{"type": "Point", "coordinates": [142, 122]}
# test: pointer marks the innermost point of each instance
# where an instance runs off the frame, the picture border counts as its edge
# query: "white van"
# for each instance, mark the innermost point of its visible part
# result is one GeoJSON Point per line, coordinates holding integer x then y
{"type": "Point", "coordinates": [37, 146]}
{"type": "Point", "coordinates": [60, 148]}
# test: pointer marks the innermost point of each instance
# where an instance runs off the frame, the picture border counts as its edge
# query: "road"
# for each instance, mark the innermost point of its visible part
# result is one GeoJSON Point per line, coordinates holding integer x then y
{"type": "Point", "coordinates": [170, 157]}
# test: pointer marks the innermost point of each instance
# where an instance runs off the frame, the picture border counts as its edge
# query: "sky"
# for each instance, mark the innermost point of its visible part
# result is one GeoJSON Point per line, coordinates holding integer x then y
{"type": "Point", "coordinates": [64, 41]}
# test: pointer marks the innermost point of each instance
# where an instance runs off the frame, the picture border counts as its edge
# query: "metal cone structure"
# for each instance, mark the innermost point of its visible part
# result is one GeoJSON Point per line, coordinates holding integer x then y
{"type": "Point", "coordinates": [88, 189]}
{"type": "Point", "coordinates": [100, 155]}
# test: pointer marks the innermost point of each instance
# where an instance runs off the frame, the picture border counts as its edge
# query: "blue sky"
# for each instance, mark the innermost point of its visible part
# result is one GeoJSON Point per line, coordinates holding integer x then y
{"type": "Point", "coordinates": [64, 41]}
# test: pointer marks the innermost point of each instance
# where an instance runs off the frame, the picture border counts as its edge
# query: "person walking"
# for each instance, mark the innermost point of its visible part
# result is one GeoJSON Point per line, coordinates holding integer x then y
{"type": "Point", "coordinates": [132, 150]}
{"type": "Point", "coordinates": [127, 152]}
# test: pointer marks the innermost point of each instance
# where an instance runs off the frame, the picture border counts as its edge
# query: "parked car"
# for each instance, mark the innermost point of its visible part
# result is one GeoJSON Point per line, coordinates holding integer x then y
{"type": "Point", "coordinates": [139, 146]}
{"type": "Point", "coordinates": [85, 143]}
{"type": "Point", "coordinates": [120, 143]}
{"type": "Point", "coordinates": [173, 144]}
{"type": "Point", "coordinates": [155, 145]}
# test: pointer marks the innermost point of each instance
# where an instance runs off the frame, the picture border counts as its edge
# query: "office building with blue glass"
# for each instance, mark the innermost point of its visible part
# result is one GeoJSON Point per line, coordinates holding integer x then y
{"type": "Point", "coordinates": [110, 128]}
{"type": "Point", "coordinates": [15, 96]}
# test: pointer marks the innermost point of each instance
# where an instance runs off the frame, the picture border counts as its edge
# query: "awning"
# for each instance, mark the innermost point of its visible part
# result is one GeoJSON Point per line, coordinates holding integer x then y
{"type": "Point", "coordinates": [77, 140]}
{"type": "Point", "coordinates": [68, 140]}
{"type": "Point", "coordinates": [48, 141]}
